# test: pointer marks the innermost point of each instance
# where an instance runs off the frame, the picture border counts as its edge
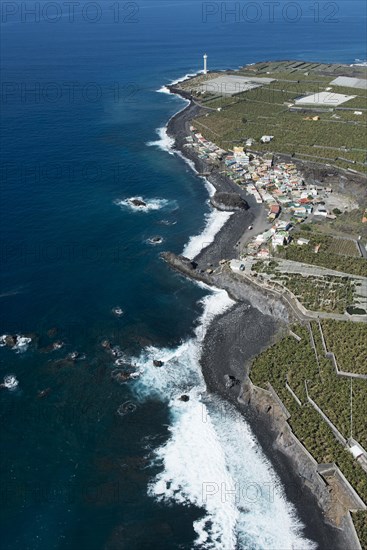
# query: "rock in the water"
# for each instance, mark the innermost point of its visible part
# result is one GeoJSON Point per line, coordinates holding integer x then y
{"type": "Point", "coordinates": [157, 239]}
{"type": "Point", "coordinates": [10, 382]}
{"type": "Point", "coordinates": [43, 393]}
{"type": "Point", "coordinates": [138, 202]}
{"type": "Point", "coordinates": [230, 381]}
{"type": "Point", "coordinates": [57, 345]}
{"type": "Point", "coordinates": [157, 363]}
{"type": "Point", "coordinates": [10, 340]}
{"type": "Point", "coordinates": [118, 311]}
{"type": "Point", "coordinates": [228, 202]}
{"type": "Point", "coordinates": [184, 398]}
{"type": "Point", "coordinates": [120, 375]}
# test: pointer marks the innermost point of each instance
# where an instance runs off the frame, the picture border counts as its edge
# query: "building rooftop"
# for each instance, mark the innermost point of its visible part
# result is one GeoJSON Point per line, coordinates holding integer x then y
{"type": "Point", "coordinates": [230, 84]}
{"type": "Point", "coordinates": [328, 99]}
{"type": "Point", "coordinates": [349, 82]}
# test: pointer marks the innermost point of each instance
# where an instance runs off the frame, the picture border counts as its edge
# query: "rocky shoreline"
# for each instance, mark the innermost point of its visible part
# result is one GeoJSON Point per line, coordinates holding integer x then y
{"type": "Point", "coordinates": [237, 336]}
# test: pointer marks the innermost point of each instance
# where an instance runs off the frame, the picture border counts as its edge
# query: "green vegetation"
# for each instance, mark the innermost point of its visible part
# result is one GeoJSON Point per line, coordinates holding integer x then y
{"type": "Point", "coordinates": [337, 212]}
{"type": "Point", "coordinates": [332, 392]}
{"type": "Point", "coordinates": [295, 362]}
{"type": "Point", "coordinates": [316, 293]}
{"type": "Point", "coordinates": [348, 342]}
{"type": "Point", "coordinates": [360, 523]}
{"type": "Point", "coordinates": [345, 247]}
{"type": "Point", "coordinates": [337, 254]}
{"type": "Point", "coordinates": [329, 294]}
{"type": "Point", "coordinates": [264, 266]}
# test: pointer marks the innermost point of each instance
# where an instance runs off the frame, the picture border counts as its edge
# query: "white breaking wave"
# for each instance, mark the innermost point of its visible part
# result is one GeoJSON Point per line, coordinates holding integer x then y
{"type": "Point", "coordinates": [359, 63]}
{"type": "Point", "coordinates": [212, 459]}
{"type": "Point", "coordinates": [214, 223]}
{"type": "Point", "coordinates": [215, 220]}
{"type": "Point", "coordinates": [21, 344]}
{"type": "Point", "coordinates": [165, 89]}
{"type": "Point", "coordinates": [181, 369]}
{"type": "Point", "coordinates": [183, 78]}
{"type": "Point", "coordinates": [165, 142]}
{"type": "Point", "coordinates": [149, 204]}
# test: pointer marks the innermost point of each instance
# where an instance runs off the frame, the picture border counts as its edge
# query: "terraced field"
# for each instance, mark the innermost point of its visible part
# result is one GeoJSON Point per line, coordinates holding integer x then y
{"type": "Point", "coordinates": [348, 341]}
{"type": "Point", "coordinates": [295, 362]}
{"type": "Point", "coordinates": [346, 247]}
{"type": "Point", "coordinates": [329, 294]}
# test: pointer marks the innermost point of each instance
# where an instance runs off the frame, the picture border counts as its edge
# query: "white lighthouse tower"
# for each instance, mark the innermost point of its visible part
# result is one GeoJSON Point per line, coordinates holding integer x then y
{"type": "Point", "coordinates": [205, 64]}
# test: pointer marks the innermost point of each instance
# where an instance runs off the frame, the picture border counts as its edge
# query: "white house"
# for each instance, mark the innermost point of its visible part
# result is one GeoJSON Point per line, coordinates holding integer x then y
{"type": "Point", "coordinates": [302, 241]}
{"type": "Point", "coordinates": [321, 211]}
{"type": "Point", "coordinates": [266, 139]}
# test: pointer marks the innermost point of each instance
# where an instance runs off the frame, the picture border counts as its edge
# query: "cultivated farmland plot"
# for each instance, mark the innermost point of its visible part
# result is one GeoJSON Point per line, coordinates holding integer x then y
{"type": "Point", "coordinates": [346, 247]}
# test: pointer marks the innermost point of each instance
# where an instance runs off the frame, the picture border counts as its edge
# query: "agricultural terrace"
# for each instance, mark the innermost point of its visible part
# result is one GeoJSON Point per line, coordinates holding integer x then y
{"type": "Point", "coordinates": [316, 293]}
{"type": "Point", "coordinates": [337, 137]}
{"type": "Point", "coordinates": [332, 392]}
{"type": "Point", "coordinates": [328, 294]}
{"type": "Point", "coordinates": [332, 253]}
{"type": "Point", "coordinates": [296, 363]}
{"type": "Point", "coordinates": [348, 342]}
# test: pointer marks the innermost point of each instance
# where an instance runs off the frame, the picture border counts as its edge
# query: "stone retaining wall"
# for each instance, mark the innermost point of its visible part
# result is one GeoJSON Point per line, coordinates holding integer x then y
{"type": "Point", "coordinates": [332, 469]}
{"type": "Point", "coordinates": [335, 430]}
{"type": "Point", "coordinates": [330, 355]}
{"type": "Point", "coordinates": [313, 474]}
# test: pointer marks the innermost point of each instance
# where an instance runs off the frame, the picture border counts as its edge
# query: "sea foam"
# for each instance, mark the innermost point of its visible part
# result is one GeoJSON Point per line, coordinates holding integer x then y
{"type": "Point", "coordinates": [214, 223]}
{"type": "Point", "coordinates": [359, 63]}
{"type": "Point", "coordinates": [215, 220]}
{"type": "Point", "coordinates": [164, 143]}
{"type": "Point", "coordinates": [150, 204]}
{"type": "Point", "coordinates": [21, 345]}
{"type": "Point", "coordinates": [211, 459]}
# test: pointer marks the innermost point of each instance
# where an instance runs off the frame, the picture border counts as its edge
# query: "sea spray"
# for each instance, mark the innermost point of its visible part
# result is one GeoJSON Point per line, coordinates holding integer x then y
{"type": "Point", "coordinates": [212, 459]}
{"type": "Point", "coordinates": [140, 204]}
{"type": "Point", "coordinates": [215, 220]}
{"type": "Point", "coordinates": [214, 223]}
{"type": "Point", "coordinates": [164, 143]}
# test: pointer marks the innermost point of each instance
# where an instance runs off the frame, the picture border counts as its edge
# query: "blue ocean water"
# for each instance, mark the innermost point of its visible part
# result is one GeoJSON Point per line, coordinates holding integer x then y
{"type": "Point", "coordinates": [79, 108]}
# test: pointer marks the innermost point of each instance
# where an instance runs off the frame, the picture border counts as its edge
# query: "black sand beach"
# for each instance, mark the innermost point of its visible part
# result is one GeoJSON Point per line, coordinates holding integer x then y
{"type": "Point", "coordinates": [237, 336]}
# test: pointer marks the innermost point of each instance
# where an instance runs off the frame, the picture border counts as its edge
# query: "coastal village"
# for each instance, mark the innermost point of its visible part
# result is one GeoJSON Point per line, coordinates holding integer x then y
{"type": "Point", "coordinates": [280, 187]}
